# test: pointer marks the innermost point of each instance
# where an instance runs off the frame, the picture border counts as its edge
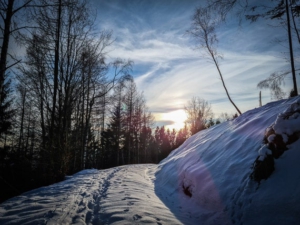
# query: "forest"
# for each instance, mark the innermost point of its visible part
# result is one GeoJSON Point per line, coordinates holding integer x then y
{"type": "Point", "coordinates": [65, 105]}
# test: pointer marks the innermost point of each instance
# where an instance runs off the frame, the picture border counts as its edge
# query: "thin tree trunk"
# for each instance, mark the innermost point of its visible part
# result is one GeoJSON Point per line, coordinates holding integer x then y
{"type": "Point", "coordinates": [260, 104]}
{"type": "Point", "coordinates": [22, 118]}
{"type": "Point", "coordinates": [291, 47]}
{"type": "Point", "coordinates": [56, 65]}
{"type": "Point", "coordinates": [217, 65]}
{"type": "Point", "coordinates": [5, 43]}
{"type": "Point", "coordinates": [28, 130]}
{"type": "Point", "coordinates": [42, 112]}
{"type": "Point", "coordinates": [82, 120]}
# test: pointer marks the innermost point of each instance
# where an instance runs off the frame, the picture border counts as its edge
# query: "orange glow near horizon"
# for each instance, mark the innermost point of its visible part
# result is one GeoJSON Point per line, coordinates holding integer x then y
{"type": "Point", "coordinates": [177, 116]}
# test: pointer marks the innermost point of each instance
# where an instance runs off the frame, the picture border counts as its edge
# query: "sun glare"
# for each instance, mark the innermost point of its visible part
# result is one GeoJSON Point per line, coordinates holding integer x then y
{"type": "Point", "coordinates": [177, 116]}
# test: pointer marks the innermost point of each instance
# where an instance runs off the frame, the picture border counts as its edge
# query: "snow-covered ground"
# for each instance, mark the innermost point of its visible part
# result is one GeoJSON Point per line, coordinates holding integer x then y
{"type": "Point", "coordinates": [121, 195]}
{"type": "Point", "coordinates": [204, 181]}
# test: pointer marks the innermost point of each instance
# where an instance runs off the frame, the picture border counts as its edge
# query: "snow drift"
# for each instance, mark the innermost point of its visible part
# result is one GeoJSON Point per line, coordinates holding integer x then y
{"type": "Point", "coordinates": [210, 173]}
{"type": "Point", "coordinates": [204, 181]}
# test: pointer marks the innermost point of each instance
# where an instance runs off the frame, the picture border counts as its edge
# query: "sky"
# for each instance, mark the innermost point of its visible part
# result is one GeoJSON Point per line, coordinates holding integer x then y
{"type": "Point", "coordinates": [170, 71]}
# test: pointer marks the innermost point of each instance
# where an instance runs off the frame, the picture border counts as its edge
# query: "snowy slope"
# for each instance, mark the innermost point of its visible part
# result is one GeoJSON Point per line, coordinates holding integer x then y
{"type": "Point", "coordinates": [204, 181]}
{"type": "Point", "coordinates": [215, 166]}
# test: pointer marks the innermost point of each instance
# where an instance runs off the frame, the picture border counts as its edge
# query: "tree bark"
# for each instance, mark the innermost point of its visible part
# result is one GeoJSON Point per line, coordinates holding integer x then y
{"type": "Point", "coordinates": [5, 43]}
{"type": "Point", "coordinates": [56, 65]}
{"type": "Point", "coordinates": [217, 65]}
{"type": "Point", "coordinates": [291, 48]}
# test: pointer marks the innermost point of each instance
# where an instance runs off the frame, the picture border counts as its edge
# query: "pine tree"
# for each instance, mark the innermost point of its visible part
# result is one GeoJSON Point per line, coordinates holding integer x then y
{"type": "Point", "coordinates": [181, 136]}
{"type": "Point", "coordinates": [6, 112]}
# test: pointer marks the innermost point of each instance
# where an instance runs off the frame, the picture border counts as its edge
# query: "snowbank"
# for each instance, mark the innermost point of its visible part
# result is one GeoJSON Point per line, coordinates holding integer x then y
{"type": "Point", "coordinates": [210, 173]}
{"type": "Point", "coordinates": [284, 131]}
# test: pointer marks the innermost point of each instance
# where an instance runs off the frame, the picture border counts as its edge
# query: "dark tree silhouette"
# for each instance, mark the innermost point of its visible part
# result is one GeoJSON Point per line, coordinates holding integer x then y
{"type": "Point", "coordinates": [273, 83]}
{"type": "Point", "coordinates": [198, 113]}
{"type": "Point", "coordinates": [6, 112]}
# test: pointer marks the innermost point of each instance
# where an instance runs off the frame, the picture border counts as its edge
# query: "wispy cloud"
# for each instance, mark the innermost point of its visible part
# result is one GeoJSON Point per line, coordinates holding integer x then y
{"type": "Point", "coordinates": [170, 72]}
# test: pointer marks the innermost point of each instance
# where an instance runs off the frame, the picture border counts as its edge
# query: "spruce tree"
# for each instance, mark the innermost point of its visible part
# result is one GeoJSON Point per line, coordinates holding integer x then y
{"type": "Point", "coordinates": [6, 112]}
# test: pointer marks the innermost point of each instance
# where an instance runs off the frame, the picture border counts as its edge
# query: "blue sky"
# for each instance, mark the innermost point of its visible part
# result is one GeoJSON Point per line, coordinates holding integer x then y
{"type": "Point", "coordinates": [170, 72]}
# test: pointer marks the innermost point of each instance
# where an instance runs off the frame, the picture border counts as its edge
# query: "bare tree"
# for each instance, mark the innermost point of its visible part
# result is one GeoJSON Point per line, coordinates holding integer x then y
{"type": "Point", "coordinates": [66, 72]}
{"type": "Point", "coordinates": [9, 25]}
{"type": "Point", "coordinates": [273, 10]}
{"type": "Point", "coordinates": [274, 82]}
{"type": "Point", "coordinates": [198, 113]}
{"type": "Point", "coordinates": [224, 116]}
{"type": "Point", "coordinates": [203, 30]}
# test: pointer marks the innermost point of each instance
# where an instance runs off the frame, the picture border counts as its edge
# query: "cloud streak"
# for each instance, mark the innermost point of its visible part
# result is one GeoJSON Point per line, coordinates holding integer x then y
{"type": "Point", "coordinates": [170, 72]}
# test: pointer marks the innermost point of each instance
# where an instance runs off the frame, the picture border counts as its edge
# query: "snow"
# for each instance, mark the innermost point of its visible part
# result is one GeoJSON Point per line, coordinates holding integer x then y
{"type": "Point", "coordinates": [271, 138]}
{"type": "Point", "coordinates": [288, 122]}
{"type": "Point", "coordinates": [264, 151]}
{"type": "Point", "coordinates": [204, 181]}
{"type": "Point", "coordinates": [92, 197]}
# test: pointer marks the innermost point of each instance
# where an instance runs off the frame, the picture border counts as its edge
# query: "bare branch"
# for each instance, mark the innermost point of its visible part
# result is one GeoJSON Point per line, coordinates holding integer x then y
{"type": "Point", "coordinates": [203, 30]}
{"type": "Point", "coordinates": [198, 113]}
{"type": "Point", "coordinates": [273, 82]}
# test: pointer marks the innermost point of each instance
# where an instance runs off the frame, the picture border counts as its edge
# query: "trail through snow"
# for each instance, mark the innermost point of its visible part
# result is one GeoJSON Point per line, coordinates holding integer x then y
{"type": "Point", "coordinates": [122, 195]}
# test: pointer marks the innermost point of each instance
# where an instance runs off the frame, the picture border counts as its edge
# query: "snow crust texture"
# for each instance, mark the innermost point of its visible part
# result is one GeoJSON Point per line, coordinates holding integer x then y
{"type": "Point", "coordinates": [204, 181]}
{"type": "Point", "coordinates": [122, 195]}
{"type": "Point", "coordinates": [215, 166]}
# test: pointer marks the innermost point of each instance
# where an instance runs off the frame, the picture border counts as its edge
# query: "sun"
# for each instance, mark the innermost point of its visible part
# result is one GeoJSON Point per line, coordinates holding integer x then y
{"type": "Point", "coordinates": [177, 116]}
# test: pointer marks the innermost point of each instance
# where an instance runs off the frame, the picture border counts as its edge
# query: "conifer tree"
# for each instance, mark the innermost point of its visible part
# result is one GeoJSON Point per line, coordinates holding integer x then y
{"type": "Point", "coordinates": [6, 112]}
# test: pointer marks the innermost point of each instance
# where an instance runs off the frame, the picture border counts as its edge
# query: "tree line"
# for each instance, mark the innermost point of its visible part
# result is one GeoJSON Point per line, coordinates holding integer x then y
{"type": "Point", "coordinates": [68, 107]}
{"type": "Point", "coordinates": [62, 88]}
{"type": "Point", "coordinates": [71, 107]}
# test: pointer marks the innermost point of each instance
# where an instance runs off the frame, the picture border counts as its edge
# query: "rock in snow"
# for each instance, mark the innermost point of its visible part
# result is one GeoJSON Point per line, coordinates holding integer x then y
{"type": "Point", "coordinates": [204, 181]}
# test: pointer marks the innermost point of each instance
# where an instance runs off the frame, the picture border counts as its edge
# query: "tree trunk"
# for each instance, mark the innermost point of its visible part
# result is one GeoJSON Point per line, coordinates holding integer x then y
{"type": "Point", "coordinates": [291, 48]}
{"type": "Point", "coordinates": [260, 104]}
{"type": "Point", "coordinates": [23, 95]}
{"type": "Point", "coordinates": [5, 43]}
{"type": "Point", "coordinates": [56, 65]}
{"type": "Point", "coordinates": [217, 65]}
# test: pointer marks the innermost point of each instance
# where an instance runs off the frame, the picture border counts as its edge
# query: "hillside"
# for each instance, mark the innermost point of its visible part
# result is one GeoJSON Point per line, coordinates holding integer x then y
{"type": "Point", "coordinates": [204, 181]}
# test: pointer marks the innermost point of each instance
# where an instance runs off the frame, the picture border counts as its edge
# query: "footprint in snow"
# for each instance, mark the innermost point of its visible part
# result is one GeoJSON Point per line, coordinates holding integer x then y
{"type": "Point", "coordinates": [158, 223]}
{"type": "Point", "coordinates": [136, 217]}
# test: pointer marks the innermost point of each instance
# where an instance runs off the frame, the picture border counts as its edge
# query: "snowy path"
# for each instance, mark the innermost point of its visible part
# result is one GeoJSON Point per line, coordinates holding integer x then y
{"type": "Point", "coordinates": [122, 195]}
